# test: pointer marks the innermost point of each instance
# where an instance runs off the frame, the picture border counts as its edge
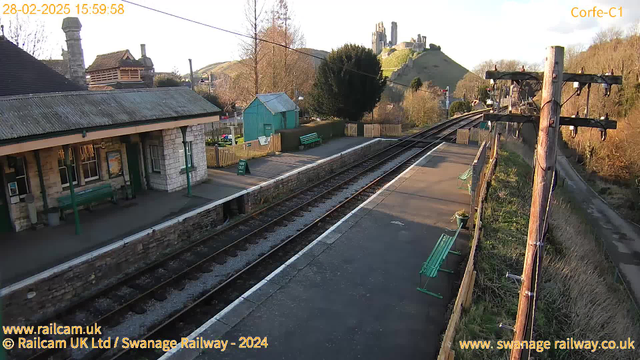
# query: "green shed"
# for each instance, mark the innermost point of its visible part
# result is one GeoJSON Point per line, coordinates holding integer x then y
{"type": "Point", "coordinates": [268, 113]}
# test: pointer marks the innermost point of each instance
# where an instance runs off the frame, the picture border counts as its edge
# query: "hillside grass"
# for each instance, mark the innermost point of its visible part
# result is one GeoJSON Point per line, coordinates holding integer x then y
{"type": "Point", "coordinates": [577, 296]}
{"type": "Point", "coordinates": [395, 60]}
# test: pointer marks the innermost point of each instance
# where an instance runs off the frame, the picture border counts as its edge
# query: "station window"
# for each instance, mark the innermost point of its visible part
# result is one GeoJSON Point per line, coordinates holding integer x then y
{"type": "Point", "coordinates": [89, 162]}
{"type": "Point", "coordinates": [64, 178]}
{"type": "Point", "coordinates": [189, 155]}
{"type": "Point", "coordinates": [155, 158]}
{"type": "Point", "coordinates": [21, 176]}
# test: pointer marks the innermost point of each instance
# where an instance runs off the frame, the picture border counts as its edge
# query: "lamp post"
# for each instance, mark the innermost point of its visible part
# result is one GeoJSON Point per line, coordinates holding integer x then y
{"type": "Point", "coordinates": [186, 158]}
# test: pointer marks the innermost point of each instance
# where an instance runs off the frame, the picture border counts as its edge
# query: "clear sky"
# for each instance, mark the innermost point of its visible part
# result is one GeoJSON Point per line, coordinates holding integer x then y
{"type": "Point", "coordinates": [469, 31]}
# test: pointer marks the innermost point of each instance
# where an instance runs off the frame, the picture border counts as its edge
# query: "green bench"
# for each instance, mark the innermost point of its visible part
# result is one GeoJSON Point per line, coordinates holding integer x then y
{"type": "Point", "coordinates": [87, 197]}
{"type": "Point", "coordinates": [465, 180]}
{"type": "Point", "coordinates": [310, 139]}
{"type": "Point", "coordinates": [433, 264]}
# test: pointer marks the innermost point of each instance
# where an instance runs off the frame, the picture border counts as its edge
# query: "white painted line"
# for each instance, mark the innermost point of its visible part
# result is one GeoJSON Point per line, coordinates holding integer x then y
{"type": "Point", "coordinates": [120, 243]}
{"type": "Point", "coordinates": [230, 307]}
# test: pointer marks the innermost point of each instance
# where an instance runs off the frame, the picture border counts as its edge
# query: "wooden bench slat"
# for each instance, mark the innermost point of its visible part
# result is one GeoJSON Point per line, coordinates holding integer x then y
{"type": "Point", "coordinates": [87, 196]}
{"type": "Point", "coordinates": [434, 262]}
{"type": "Point", "coordinates": [310, 139]}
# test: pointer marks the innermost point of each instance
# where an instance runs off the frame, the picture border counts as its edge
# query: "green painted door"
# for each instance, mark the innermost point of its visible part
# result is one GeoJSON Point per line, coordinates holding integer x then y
{"type": "Point", "coordinates": [134, 167]}
{"type": "Point", "coordinates": [5, 219]}
{"type": "Point", "coordinates": [268, 130]}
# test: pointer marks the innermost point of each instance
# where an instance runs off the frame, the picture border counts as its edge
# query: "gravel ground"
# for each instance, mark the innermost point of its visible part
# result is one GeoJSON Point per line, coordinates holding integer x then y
{"type": "Point", "coordinates": [135, 325]}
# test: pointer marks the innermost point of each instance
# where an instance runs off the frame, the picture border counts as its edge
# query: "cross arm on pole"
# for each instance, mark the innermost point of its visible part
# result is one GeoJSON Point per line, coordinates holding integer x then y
{"type": "Point", "coordinates": [566, 77]}
{"type": "Point", "coordinates": [564, 120]}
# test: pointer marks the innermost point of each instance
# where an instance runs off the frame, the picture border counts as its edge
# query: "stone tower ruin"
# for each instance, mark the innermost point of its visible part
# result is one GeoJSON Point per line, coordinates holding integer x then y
{"type": "Point", "coordinates": [394, 34]}
{"type": "Point", "coordinates": [379, 38]}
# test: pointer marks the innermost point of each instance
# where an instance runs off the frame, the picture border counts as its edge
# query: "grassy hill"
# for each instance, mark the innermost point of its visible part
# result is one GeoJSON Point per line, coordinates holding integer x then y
{"type": "Point", "coordinates": [430, 65]}
{"type": "Point", "coordinates": [233, 67]}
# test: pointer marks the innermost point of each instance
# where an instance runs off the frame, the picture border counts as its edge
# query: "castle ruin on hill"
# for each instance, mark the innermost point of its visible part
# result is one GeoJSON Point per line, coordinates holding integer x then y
{"type": "Point", "coordinates": [379, 40]}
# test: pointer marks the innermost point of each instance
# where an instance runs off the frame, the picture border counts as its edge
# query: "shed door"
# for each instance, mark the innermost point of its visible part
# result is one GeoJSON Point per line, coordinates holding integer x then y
{"type": "Point", "coordinates": [268, 130]}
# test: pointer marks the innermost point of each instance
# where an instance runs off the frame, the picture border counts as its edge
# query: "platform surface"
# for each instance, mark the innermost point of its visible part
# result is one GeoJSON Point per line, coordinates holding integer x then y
{"type": "Point", "coordinates": [353, 294]}
{"type": "Point", "coordinates": [29, 252]}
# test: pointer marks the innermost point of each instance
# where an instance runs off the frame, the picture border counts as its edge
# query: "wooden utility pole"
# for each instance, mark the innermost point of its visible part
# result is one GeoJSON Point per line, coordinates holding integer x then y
{"type": "Point", "coordinates": [546, 149]}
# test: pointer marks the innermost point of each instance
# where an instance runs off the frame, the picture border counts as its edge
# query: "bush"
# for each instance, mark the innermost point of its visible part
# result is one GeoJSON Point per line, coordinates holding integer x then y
{"type": "Point", "coordinates": [422, 107]}
{"type": "Point", "coordinates": [167, 81]}
{"type": "Point", "coordinates": [460, 107]}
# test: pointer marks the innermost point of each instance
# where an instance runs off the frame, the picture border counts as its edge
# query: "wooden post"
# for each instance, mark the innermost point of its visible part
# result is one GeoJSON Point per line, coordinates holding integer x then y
{"type": "Point", "coordinates": [452, 355]}
{"type": "Point", "coordinates": [467, 299]}
{"type": "Point", "coordinates": [546, 159]}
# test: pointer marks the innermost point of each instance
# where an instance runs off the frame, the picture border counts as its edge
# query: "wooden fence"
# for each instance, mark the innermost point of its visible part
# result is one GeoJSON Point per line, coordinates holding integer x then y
{"type": "Point", "coordinates": [351, 130]}
{"type": "Point", "coordinates": [462, 136]}
{"type": "Point", "coordinates": [374, 130]}
{"type": "Point", "coordinates": [229, 155]}
{"type": "Point", "coordinates": [479, 135]}
{"type": "Point", "coordinates": [377, 130]}
{"type": "Point", "coordinates": [465, 293]}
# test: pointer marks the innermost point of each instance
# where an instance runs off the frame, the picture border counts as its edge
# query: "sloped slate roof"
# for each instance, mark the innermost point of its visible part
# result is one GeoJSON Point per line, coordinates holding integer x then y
{"type": "Point", "coordinates": [113, 60]}
{"type": "Point", "coordinates": [21, 73]}
{"type": "Point", "coordinates": [55, 114]}
{"type": "Point", "coordinates": [277, 102]}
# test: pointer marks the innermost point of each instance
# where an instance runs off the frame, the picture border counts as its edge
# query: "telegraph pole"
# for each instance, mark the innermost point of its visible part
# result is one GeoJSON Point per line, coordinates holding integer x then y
{"type": "Point", "coordinates": [546, 152]}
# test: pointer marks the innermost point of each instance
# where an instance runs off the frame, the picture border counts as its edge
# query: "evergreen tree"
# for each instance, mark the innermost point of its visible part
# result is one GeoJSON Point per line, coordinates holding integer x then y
{"type": "Point", "coordinates": [348, 84]}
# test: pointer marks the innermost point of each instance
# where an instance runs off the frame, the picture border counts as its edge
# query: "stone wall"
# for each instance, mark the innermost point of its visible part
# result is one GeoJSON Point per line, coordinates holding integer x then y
{"type": "Point", "coordinates": [174, 157]}
{"type": "Point", "coordinates": [58, 288]}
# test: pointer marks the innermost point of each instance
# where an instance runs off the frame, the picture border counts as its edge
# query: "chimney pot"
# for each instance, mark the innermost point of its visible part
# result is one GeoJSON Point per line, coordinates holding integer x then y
{"type": "Point", "coordinates": [143, 50]}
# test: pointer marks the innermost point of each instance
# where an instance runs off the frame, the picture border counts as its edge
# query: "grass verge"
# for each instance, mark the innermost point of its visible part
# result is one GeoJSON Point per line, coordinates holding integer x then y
{"type": "Point", "coordinates": [577, 296]}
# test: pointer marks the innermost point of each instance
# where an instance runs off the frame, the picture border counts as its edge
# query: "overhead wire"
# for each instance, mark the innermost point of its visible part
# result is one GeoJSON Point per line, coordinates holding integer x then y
{"type": "Point", "coordinates": [236, 33]}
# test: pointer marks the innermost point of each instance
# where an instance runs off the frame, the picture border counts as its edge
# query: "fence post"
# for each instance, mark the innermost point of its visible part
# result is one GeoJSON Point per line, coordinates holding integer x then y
{"type": "Point", "coordinates": [217, 155]}
{"type": "Point", "coordinates": [469, 296]}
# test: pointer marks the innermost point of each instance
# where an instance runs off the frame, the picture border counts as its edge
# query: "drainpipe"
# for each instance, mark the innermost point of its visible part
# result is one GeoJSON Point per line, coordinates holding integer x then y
{"type": "Point", "coordinates": [186, 160]}
{"type": "Point", "coordinates": [43, 189]}
{"type": "Point", "coordinates": [76, 218]}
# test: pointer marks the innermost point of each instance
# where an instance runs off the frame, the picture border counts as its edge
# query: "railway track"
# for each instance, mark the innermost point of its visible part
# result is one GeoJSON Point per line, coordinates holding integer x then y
{"type": "Point", "coordinates": [198, 265]}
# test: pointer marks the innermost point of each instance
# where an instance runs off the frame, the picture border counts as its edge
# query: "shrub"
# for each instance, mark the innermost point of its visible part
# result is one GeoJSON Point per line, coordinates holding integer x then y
{"type": "Point", "coordinates": [460, 107]}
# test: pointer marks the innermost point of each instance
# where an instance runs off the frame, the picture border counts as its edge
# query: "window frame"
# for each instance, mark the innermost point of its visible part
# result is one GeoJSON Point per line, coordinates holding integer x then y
{"type": "Point", "coordinates": [155, 159]}
{"type": "Point", "coordinates": [73, 165]}
{"type": "Point", "coordinates": [189, 155]}
{"type": "Point", "coordinates": [24, 177]}
{"type": "Point", "coordinates": [95, 160]}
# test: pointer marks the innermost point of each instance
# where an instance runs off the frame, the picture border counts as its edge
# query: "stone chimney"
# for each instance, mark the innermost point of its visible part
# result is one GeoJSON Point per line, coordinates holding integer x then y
{"type": "Point", "coordinates": [148, 74]}
{"type": "Point", "coordinates": [71, 27]}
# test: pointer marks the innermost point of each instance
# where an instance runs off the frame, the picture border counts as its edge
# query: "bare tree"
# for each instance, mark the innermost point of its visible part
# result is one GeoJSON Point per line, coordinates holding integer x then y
{"type": "Point", "coordinates": [251, 49]}
{"type": "Point", "coordinates": [289, 69]}
{"type": "Point", "coordinates": [607, 35]}
{"type": "Point", "coordinates": [30, 36]}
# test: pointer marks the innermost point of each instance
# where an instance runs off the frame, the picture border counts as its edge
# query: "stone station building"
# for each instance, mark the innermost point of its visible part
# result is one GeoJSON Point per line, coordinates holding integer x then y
{"type": "Point", "coordinates": [129, 139]}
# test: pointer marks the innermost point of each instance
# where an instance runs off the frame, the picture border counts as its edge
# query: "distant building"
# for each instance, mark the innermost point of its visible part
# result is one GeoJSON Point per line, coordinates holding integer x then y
{"type": "Point", "coordinates": [119, 70]}
{"type": "Point", "coordinates": [268, 113]}
{"type": "Point", "coordinates": [116, 70]}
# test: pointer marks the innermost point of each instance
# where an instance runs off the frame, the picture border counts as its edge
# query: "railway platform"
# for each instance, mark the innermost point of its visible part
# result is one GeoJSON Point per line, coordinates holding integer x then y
{"type": "Point", "coordinates": [352, 292]}
{"type": "Point", "coordinates": [30, 252]}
